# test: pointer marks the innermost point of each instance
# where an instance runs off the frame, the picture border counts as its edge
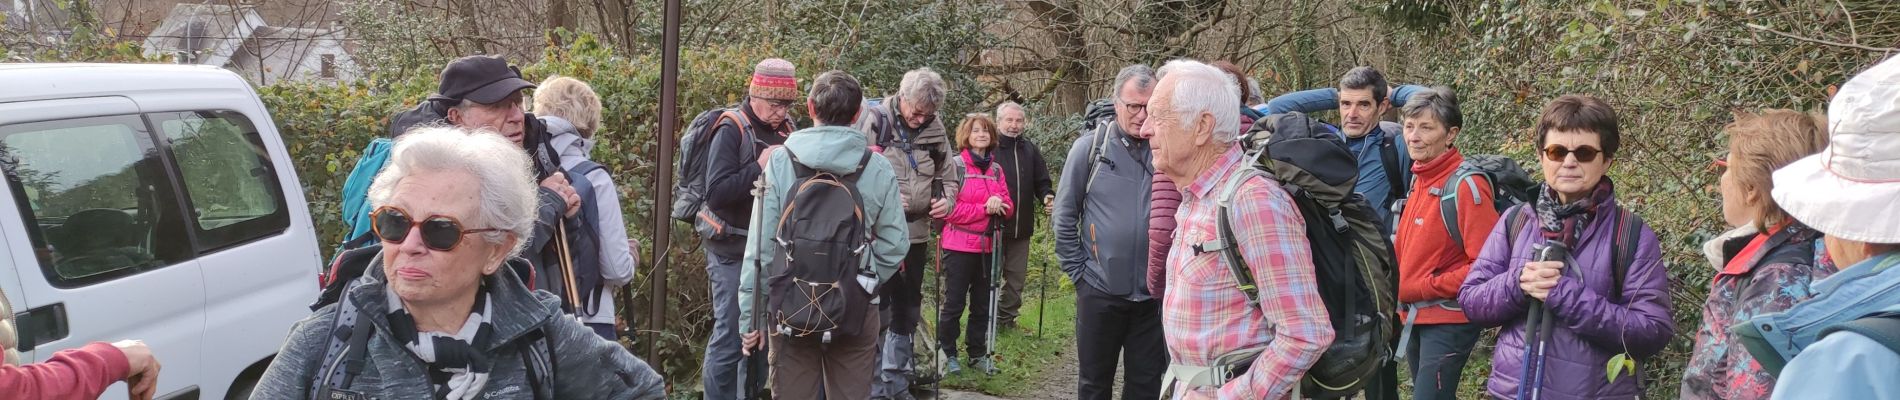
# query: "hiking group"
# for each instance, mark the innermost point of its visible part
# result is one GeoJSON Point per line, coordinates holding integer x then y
{"type": "Point", "coordinates": [1222, 246]}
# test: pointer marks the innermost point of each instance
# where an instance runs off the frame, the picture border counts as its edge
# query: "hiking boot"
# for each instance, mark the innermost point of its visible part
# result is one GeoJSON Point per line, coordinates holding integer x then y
{"type": "Point", "coordinates": [953, 368]}
{"type": "Point", "coordinates": [984, 364]}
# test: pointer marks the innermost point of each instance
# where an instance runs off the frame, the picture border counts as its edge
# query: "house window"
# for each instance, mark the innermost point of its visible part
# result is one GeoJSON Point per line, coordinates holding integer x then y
{"type": "Point", "coordinates": [329, 66]}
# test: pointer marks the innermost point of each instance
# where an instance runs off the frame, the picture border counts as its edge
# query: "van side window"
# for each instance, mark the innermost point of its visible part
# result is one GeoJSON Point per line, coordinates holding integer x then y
{"type": "Point", "coordinates": [230, 185]}
{"type": "Point", "coordinates": [94, 196]}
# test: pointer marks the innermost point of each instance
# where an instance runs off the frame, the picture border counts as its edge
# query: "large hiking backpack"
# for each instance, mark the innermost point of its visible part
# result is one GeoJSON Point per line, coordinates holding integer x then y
{"type": "Point", "coordinates": [1510, 185]}
{"type": "Point", "coordinates": [355, 195]}
{"type": "Point", "coordinates": [1355, 268]}
{"type": "Point", "coordinates": [822, 246]}
{"type": "Point", "coordinates": [587, 265]}
{"type": "Point", "coordinates": [689, 187]}
{"type": "Point", "coordinates": [1098, 113]}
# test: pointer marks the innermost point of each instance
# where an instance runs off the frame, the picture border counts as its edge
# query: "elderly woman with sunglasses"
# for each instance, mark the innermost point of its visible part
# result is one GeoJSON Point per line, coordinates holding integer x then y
{"type": "Point", "coordinates": [1573, 279]}
{"type": "Point", "coordinates": [431, 318]}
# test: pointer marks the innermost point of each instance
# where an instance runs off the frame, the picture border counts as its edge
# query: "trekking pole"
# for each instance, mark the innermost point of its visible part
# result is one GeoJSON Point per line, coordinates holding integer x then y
{"type": "Point", "coordinates": [936, 261]}
{"type": "Point", "coordinates": [996, 275]}
{"type": "Point", "coordinates": [567, 265]}
{"type": "Point", "coordinates": [1042, 291]}
{"type": "Point", "coordinates": [755, 365]}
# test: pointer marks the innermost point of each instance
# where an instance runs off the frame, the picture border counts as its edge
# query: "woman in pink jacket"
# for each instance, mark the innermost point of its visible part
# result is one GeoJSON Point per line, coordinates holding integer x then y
{"type": "Point", "coordinates": [979, 206]}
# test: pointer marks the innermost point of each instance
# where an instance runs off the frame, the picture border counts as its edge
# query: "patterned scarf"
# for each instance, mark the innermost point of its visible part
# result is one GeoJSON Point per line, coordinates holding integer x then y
{"type": "Point", "coordinates": [1561, 221]}
{"type": "Point", "coordinates": [456, 367]}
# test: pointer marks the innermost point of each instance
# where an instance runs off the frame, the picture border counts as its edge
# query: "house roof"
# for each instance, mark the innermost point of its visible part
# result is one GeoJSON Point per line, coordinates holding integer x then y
{"type": "Point", "coordinates": [211, 31]}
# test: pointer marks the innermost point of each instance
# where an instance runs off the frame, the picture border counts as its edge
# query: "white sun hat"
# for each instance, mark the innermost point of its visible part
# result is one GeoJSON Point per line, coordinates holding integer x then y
{"type": "Point", "coordinates": [1851, 190]}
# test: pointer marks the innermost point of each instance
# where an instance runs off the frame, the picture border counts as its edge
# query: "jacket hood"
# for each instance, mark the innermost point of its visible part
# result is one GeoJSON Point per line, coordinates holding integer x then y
{"type": "Point", "coordinates": [1716, 249]}
{"type": "Point", "coordinates": [567, 140]}
{"type": "Point", "coordinates": [516, 309]}
{"type": "Point", "coordinates": [828, 148]}
{"type": "Point", "coordinates": [426, 113]}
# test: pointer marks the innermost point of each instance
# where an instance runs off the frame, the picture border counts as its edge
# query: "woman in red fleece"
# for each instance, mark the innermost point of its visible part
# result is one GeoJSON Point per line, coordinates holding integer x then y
{"type": "Point", "coordinates": [1438, 337]}
{"type": "Point", "coordinates": [74, 374]}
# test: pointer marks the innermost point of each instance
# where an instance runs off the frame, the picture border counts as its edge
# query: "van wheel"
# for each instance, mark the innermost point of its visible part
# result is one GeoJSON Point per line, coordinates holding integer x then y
{"type": "Point", "coordinates": [247, 381]}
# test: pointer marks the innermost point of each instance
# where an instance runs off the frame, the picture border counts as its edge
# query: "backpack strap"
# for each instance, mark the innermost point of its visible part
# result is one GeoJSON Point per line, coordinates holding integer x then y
{"type": "Point", "coordinates": [1623, 250]}
{"type": "Point", "coordinates": [1448, 202]}
{"type": "Point", "coordinates": [1098, 155]}
{"type": "Point", "coordinates": [1227, 242]}
{"type": "Point", "coordinates": [539, 362]}
{"type": "Point", "coordinates": [343, 356]}
{"type": "Point", "coordinates": [1394, 173]}
{"type": "Point", "coordinates": [1883, 328]}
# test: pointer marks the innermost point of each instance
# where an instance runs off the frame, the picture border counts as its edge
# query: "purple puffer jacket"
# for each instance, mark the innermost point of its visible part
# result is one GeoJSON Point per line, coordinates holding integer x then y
{"type": "Point", "coordinates": [1163, 202]}
{"type": "Point", "coordinates": [1589, 328]}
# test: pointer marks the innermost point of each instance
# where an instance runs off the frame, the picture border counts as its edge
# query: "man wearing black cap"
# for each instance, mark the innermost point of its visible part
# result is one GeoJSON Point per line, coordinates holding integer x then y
{"type": "Point", "coordinates": [485, 93]}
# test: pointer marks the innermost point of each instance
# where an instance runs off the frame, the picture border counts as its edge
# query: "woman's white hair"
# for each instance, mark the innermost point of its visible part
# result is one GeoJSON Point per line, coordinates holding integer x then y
{"type": "Point", "coordinates": [1202, 88]}
{"type": "Point", "coordinates": [506, 185]}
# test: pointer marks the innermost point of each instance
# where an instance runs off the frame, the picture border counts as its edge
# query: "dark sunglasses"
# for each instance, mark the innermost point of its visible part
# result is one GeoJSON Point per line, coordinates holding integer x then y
{"type": "Point", "coordinates": [439, 233]}
{"type": "Point", "coordinates": [1558, 153]}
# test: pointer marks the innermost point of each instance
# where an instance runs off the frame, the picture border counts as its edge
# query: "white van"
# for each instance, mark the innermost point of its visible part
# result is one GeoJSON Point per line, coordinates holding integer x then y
{"type": "Point", "coordinates": [151, 202]}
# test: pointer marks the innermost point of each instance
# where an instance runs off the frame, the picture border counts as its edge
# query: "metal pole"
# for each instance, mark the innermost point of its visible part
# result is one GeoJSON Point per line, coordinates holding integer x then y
{"type": "Point", "coordinates": [663, 178]}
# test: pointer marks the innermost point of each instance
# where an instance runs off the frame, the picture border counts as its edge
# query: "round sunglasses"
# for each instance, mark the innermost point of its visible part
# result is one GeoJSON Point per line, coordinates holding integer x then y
{"type": "Point", "coordinates": [439, 233]}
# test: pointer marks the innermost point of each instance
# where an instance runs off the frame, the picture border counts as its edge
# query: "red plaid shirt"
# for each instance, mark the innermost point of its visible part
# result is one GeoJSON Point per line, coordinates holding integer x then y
{"type": "Point", "coordinates": [1206, 315]}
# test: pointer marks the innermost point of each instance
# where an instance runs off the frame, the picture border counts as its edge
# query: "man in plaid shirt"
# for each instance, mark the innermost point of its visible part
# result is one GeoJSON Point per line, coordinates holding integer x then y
{"type": "Point", "coordinates": [1196, 113]}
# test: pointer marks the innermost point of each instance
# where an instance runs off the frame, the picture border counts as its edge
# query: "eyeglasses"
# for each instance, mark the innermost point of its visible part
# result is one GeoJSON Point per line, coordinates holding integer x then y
{"type": "Point", "coordinates": [1558, 153]}
{"type": "Point", "coordinates": [1136, 108]}
{"type": "Point", "coordinates": [779, 104]}
{"type": "Point", "coordinates": [439, 233]}
{"type": "Point", "coordinates": [1719, 164]}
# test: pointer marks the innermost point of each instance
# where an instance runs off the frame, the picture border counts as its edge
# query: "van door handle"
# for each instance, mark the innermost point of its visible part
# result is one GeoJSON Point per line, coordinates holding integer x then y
{"type": "Point", "coordinates": [41, 325]}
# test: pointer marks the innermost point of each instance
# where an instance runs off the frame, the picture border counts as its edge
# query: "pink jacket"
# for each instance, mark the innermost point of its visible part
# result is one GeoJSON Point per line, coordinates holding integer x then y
{"type": "Point", "coordinates": [81, 373]}
{"type": "Point", "coordinates": [966, 229]}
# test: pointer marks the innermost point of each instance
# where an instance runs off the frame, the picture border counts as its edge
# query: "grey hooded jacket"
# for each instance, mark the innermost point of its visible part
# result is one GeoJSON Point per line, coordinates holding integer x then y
{"type": "Point", "coordinates": [1102, 227]}
{"type": "Point", "coordinates": [585, 366]}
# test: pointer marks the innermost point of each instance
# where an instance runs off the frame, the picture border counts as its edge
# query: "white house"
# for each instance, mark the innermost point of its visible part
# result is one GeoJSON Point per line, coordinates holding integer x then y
{"type": "Point", "coordinates": [236, 38]}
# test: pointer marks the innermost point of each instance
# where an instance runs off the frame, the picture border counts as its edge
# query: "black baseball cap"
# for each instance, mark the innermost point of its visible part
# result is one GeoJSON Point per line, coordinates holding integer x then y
{"type": "Point", "coordinates": [484, 79]}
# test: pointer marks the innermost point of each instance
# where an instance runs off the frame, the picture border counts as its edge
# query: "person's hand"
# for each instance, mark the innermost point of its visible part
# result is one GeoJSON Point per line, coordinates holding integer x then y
{"type": "Point", "coordinates": [995, 205]}
{"type": "Point", "coordinates": [752, 340]}
{"type": "Point", "coordinates": [1539, 277]}
{"type": "Point", "coordinates": [1049, 203]}
{"type": "Point", "coordinates": [141, 380]}
{"type": "Point", "coordinates": [939, 208]}
{"type": "Point", "coordinates": [766, 155]}
{"type": "Point", "coordinates": [558, 183]}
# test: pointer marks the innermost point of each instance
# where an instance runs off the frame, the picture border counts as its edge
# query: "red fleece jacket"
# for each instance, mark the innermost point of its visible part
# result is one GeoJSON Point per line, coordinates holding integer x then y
{"type": "Point", "coordinates": [75, 374]}
{"type": "Point", "coordinates": [1430, 266]}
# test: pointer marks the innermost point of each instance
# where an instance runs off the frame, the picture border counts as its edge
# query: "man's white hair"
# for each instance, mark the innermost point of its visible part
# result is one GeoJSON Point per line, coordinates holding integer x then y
{"type": "Point", "coordinates": [1010, 105]}
{"type": "Point", "coordinates": [1199, 88]}
{"type": "Point", "coordinates": [922, 87]}
{"type": "Point", "coordinates": [506, 185]}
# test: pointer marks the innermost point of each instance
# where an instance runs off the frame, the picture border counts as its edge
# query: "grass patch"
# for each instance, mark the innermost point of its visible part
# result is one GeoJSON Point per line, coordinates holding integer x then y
{"type": "Point", "coordinates": [1024, 360]}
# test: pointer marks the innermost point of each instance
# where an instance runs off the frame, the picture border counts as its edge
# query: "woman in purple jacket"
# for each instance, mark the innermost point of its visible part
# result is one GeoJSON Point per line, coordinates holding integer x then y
{"type": "Point", "coordinates": [1563, 321]}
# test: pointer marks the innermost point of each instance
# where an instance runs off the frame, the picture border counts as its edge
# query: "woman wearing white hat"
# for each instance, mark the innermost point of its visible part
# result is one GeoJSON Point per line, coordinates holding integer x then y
{"type": "Point", "coordinates": [1851, 193]}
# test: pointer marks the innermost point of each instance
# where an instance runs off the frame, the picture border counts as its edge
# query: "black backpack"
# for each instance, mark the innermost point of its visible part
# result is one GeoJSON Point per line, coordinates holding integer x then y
{"type": "Point", "coordinates": [1510, 185]}
{"type": "Point", "coordinates": [1098, 112]}
{"type": "Point", "coordinates": [1355, 268]}
{"type": "Point", "coordinates": [822, 245]}
{"type": "Point", "coordinates": [689, 188]}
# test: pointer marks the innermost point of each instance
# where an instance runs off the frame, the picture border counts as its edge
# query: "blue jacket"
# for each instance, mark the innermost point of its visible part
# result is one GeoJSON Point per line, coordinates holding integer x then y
{"type": "Point", "coordinates": [1842, 366]}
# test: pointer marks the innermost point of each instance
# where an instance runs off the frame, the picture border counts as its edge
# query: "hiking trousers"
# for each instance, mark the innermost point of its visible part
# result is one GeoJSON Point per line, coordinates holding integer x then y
{"type": "Point", "coordinates": [901, 300]}
{"type": "Point", "coordinates": [808, 368]}
{"type": "Point", "coordinates": [966, 278]}
{"type": "Point", "coordinates": [721, 369]}
{"type": "Point", "coordinates": [1015, 274]}
{"type": "Point", "coordinates": [1109, 327]}
{"type": "Point", "coordinates": [1436, 358]}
